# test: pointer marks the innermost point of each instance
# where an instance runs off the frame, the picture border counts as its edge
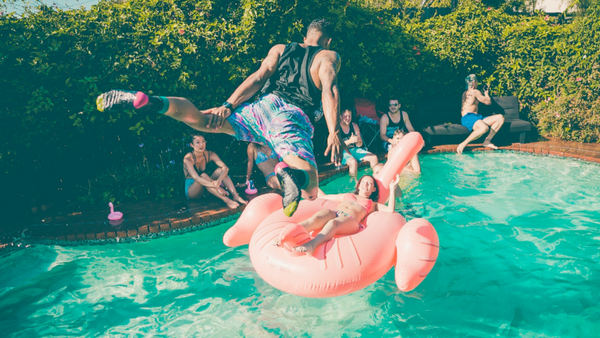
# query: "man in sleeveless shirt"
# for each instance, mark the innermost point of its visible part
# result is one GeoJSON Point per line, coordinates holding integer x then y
{"type": "Point", "coordinates": [393, 120]}
{"type": "Point", "coordinates": [475, 122]}
{"type": "Point", "coordinates": [294, 78]}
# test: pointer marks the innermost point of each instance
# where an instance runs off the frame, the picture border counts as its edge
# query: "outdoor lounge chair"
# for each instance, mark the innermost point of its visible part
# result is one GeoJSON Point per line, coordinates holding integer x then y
{"type": "Point", "coordinates": [440, 119]}
{"type": "Point", "coordinates": [368, 120]}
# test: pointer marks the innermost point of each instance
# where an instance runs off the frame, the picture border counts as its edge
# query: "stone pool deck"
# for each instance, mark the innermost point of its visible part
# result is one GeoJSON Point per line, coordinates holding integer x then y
{"type": "Point", "coordinates": [147, 219]}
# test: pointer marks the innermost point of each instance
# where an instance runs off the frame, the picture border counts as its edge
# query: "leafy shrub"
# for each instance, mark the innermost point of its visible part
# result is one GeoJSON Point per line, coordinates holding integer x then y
{"type": "Point", "coordinates": [54, 63]}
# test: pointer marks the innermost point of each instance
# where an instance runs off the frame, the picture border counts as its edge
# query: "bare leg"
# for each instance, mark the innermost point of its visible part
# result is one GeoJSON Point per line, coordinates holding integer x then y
{"type": "Point", "coordinates": [352, 167]}
{"type": "Point", "coordinates": [183, 110]}
{"type": "Point", "coordinates": [337, 226]}
{"type": "Point", "coordinates": [196, 191]}
{"type": "Point", "coordinates": [230, 203]}
{"type": "Point", "coordinates": [415, 164]}
{"type": "Point", "coordinates": [179, 108]}
{"type": "Point", "coordinates": [479, 128]}
{"type": "Point", "coordinates": [318, 220]}
{"type": "Point", "coordinates": [495, 122]}
{"type": "Point", "coordinates": [273, 183]}
{"type": "Point", "coordinates": [377, 168]}
{"type": "Point", "coordinates": [229, 185]}
{"type": "Point", "coordinates": [315, 222]}
{"type": "Point", "coordinates": [372, 159]}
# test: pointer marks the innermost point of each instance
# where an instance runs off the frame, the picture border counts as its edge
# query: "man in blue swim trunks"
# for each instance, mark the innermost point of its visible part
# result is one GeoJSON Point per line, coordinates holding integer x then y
{"type": "Point", "coordinates": [475, 122]}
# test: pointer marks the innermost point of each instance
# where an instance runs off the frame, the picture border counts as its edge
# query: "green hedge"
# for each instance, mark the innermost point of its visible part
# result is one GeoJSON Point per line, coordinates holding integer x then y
{"type": "Point", "coordinates": [54, 63]}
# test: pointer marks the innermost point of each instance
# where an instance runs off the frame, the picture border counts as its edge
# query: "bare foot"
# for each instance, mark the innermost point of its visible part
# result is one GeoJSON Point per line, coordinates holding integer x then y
{"type": "Point", "coordinates": [232, 204]}
{"type": "Point", "coordinates": [305, 248]}
{"type": "Point", "coordinates": [460, 148]}
{"type": "Point", "coordinates": [240, 199]}
{"type": "Point", "coordinates": [489, 144]}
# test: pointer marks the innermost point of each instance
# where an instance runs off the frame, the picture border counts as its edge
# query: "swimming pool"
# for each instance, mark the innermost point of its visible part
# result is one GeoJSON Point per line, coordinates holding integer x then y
{"type": "Point", "coordinates": [519, 234]}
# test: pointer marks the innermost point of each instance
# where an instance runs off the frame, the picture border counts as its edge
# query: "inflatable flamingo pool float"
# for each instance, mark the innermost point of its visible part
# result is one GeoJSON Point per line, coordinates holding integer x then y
{"type": "Point", "coordinates": [345, 264]}
{"type": "Point", "coordinates": [250, 190]}
{"type": "Point", "coordinates": [114, 215]}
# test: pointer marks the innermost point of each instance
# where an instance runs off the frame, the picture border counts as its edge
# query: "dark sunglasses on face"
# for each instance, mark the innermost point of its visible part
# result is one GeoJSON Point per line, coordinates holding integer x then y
{"type": "Point", "coordinates": [393, 104]}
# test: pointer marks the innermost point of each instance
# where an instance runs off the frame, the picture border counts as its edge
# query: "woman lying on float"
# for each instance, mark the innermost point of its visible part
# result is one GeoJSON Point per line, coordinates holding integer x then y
{"type": "Point", "coordinates": [343, 220]}
{"type": "Point", "coordinates": [354, 253]}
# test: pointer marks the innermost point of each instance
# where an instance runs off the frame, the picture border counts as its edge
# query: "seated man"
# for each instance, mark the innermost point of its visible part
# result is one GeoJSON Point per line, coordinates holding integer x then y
{"type": "Point", "coordinates": [351, 137]}
{"type": "Point", "coordinates": [413, 165]}
{"type": "Point", "coordinates": [475, 122]}
{"type": "Point", "coordinates": [390, 122]}
{"type": "Point", "coordinates": [266, 159]}
{"type": "Point", "coordinates": [345, 220]}
{"type": "Point", "coordinates": [204, 171]}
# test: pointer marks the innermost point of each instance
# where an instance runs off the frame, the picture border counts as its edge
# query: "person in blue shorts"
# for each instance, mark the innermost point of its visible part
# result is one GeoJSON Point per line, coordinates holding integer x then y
{"type": "Point", "coordinates": [266, 159]}
{"type": "Point", "coordinates": [351, 137]}
{"type": "Point", "coordinates": [476, 123]}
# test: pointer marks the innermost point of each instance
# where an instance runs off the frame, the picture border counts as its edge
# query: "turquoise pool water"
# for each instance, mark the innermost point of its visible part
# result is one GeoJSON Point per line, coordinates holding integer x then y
{"type": "Point", "coordinates": [520, 256]}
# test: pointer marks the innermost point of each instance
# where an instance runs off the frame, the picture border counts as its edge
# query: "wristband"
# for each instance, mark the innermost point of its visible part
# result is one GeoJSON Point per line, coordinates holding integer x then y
{"type": "Point", "coordinates": [228, 105]}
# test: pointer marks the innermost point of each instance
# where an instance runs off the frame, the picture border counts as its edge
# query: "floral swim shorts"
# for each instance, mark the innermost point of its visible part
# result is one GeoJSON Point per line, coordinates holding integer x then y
{"type": "Point", "coordinates": [273, 122]}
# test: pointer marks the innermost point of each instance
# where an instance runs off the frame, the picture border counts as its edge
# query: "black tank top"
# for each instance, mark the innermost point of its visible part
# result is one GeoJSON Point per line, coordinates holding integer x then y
{"type": "Point", "coordinates": [292, 81]}
{"type": "Point", "coordinates": [345, 136]}
{"type": "Point", "coordinates": [392, 126]}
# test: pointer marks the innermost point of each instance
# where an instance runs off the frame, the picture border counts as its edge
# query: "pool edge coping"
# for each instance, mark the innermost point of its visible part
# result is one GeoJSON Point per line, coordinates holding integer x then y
{"type": "Point", "coordinates": [224, 216]}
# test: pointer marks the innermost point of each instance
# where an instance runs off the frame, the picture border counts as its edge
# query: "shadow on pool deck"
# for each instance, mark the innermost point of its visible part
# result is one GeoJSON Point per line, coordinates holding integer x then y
{"type": "Point", "coordinates": [157, 218]}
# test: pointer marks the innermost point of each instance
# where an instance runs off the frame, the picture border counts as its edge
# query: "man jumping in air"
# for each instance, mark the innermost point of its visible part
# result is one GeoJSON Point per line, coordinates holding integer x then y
{"type": "Point", "coordinates": [294, 78]}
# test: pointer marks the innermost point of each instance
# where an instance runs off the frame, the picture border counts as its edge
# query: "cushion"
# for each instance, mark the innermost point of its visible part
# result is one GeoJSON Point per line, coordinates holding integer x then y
{"type": "Point", "coordinates": [518, 126]}
{"type": "Point", "coordinates": [446, 130]}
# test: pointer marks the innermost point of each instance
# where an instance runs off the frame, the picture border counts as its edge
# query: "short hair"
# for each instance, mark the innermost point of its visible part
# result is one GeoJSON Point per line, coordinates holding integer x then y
{"type": "Point", "coordinates": [398, 132]}
{"type": "Point", "coordinates": [375, 194]}
{"type": "Point", "coordinates": [470, 79]}
{"type": "Point", "coordinates": [350, 108]}
{"type": "Point", "coordinates": [321, 25]}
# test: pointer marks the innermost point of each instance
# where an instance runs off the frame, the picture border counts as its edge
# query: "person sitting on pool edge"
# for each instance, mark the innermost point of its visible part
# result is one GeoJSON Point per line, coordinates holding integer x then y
{"type": "Point", "coordinates": [353, 140]}
{"type": "Point", "coordinates": [475, 122]}
{"type": "Point", "coordinates": [344, 220]}
{"type": "Point", "coordinates": [204, 171]}
{"type": "Point", "coordinates": [266, 159]}
{"type": "Point", "coordinates": [413, 165]}
{"type": "Point", "coordinates": [393, 120]}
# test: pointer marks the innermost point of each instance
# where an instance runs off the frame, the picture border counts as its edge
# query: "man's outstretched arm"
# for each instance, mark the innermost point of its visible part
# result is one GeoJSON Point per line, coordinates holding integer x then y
{"type": "Point", "coordinates": [330, 96]}
{"type": "Point", "coordinates": [247, 89]}
{"type": "Point", "coordinates": [485, 98]}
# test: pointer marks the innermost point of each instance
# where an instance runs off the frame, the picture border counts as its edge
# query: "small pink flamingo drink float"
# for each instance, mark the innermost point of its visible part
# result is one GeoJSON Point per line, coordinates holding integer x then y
{"type": "Point", "coordinates": [250, 190]}
{"type": "Point", "coordinates": [344, 264]}
{"type": "Point", "coordinates": [114, 215]}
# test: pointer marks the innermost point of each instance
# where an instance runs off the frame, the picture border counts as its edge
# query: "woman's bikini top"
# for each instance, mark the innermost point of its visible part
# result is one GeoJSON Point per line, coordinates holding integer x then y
{"type": "Point", "coordinates": [262, 157]}
{"type": "Point", "coordinates": [208, 169]}
{"type": "Point", "coordinates": [365, 203]}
